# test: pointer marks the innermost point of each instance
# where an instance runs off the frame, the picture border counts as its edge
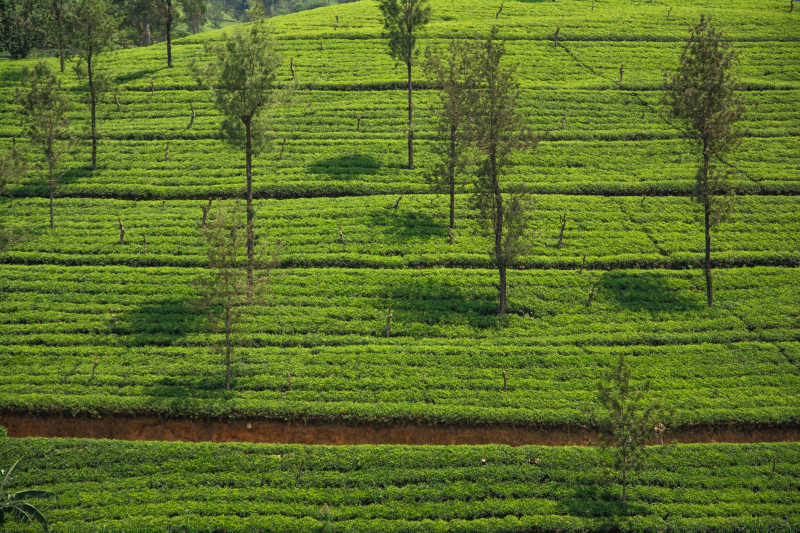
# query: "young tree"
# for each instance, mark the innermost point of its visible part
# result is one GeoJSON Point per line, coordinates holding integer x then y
{"type": "Point", "coordinates": [403, 19]}
{"type": "Point", "coordinates": [701, 93]}
{"type": "Point", "coordinates": [92, 25]}
{"type": "Point", "coordinates": [628, 423]}
{"type": "Point", "coordinates": [226, 291]}
{"type": "Point", "coordinates": [44, 109]}
{"type": "Point", "coordinates": [13, 167]}
{"type": "Point", "coordinates": [243, 79]}
{"type": "Point", "coordinates": [498, 130]}
{"type": "Point", "coordinates": [452, 71]}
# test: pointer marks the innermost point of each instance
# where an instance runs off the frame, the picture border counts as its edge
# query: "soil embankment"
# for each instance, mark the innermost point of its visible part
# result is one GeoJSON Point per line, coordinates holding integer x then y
{"type": "Point", "coordinates": [155, 428]}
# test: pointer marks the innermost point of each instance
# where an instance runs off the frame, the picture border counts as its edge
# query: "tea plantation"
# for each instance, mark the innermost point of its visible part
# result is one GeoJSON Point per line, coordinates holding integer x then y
{"type": "Point", "coordinates": [90, 326]}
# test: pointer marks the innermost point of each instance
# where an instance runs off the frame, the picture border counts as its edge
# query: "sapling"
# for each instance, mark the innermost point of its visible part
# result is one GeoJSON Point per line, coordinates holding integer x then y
{"type": "Point", "coordinates": [453, 71]}
{"type": "Point", "coordinates": [563, 227]}
{"type": "Point", "coordinates": [388, 331]}
{"type": "Point", "coordinates": [628, 421]}
{"type": "Point", "coordinates": [226, 290]}
{"type": "Point", "coordinates": [206, 209]}
{"type": "Point", "coordinates": [191, 118]}
{"type": "Point", "coordinates": [121, 231]}
{"type": "Point", "coordinates": [44, 108]}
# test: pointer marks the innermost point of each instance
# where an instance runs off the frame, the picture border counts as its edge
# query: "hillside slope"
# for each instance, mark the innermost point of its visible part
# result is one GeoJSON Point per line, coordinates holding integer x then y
{"type": "Point", "coordinates": [91, 326]}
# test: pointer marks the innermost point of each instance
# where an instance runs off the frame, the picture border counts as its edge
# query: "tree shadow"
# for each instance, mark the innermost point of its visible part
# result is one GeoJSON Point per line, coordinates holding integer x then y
{"type": "Point", "coordinates": [13, 232]}
{"type": "Point", "coordinates": [647, 291]}
{"type": "Point", "coordinates": [11, 76]}
{"type": "Point", "coordinates": [40, 187]}
{"type": "Point", "coordinates": [160, 323]}
{"type": "Point", "coordinates": [76, 173]}
{"type": "Point", "coordinates": [185, 395]}
{"type": "Point", "coordinates": [136, 75]}
{"type": "Point", "coordinates": [432, 299]}
{"type": "Point", "coordinates": [400, 224]}
{"type": "Point", "coordinates": [595, 501]}
{"type": "Point", "coordinates": [347, 166]}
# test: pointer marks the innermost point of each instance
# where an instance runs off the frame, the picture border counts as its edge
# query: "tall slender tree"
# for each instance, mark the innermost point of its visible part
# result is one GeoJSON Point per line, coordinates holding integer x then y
{"type": "Point", "coordinates": [403, 20]}
{"type": "Point", "coordinates": [243, 79]}
{"type": "Point", "coordinates": [453, 71]}
{"type": "Point", "coordinates": [44, 108]}
{"type": "Point", "coordinates": [498, 131]}
{"type": "Point", "coordinates": [92, 26]}
{"type": "Point", "coordinates": [701, 92]}
{"type": "Point", "coordinates": [59, 11]}
{"type": "Point", "coordinates": [169, 14]}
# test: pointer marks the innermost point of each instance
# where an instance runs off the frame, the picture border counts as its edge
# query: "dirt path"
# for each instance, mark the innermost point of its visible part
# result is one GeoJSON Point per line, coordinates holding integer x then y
{"type": "Point", "coordinates": [154, 428]}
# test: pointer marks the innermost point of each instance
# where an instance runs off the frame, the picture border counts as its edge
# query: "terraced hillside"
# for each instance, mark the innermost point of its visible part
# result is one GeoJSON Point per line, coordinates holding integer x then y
{"type": "Point", "coordinates": [114, 486]}
{"type": "Point", "coordinates": [91, 326]}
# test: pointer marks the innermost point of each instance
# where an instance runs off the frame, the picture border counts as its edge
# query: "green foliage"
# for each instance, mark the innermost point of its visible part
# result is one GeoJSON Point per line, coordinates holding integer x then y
{"type": "Point", "coordinates": [13, 504]}
{"type": "Point", "coordinates": [92, 27]}
{"type": "Point", "coordinates": [701, 92]}
{"type": "Point", "coordinates": [243, 78]}
{"type": "Point", "coordinates": [498, 131]}
{"type": "Point", "coordinates": [452, 71]}
{"type": "Point", "coordinates": [403, 20]}
{"type": "Point", "coordinates": [23, 26]}
{"type": "Point", "coordinates": [630, 421]}
{"type": "Point", "coordinates": [205, 487]}
{"type": "Point", "coordinates": [194, 13]}
{"type": "Point", "coordinates": [328, 334]}
{"type": "Point", "coordinates": [44, 109]}
{"type": "Point", "coordinates": [13, 167]}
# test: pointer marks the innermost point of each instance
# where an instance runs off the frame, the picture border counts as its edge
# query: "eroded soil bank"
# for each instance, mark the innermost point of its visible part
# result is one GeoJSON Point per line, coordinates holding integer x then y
{"type": "Point", "coordinates": [154, 428]}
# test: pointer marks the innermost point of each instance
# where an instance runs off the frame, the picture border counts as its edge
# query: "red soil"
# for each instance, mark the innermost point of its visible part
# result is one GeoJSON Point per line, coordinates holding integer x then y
{"type": "Point", "coordinates": [154, 428]}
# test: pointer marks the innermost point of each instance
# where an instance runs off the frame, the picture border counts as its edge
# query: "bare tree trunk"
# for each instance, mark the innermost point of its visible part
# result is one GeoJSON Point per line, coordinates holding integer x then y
{"type": "Point", "coordinates": [624, 482]}
{"type": "Point", "coordinates": [250, 211]}
{"type": "Point", "coordinates": [52, 183]}
{"type": "Point", "coordinates": [452, 176]}
{"type": "Point", "coordinates": [410, 121]}
{"type": "Point", "coordinates": [498, 234]}
{"type": "Point", "coordinates": [92, 106]}
{"type": "Point", "coordinates": [169, 33]}
{"type": "Point", "coordinates": [228, 344]}
{"type": "Point", "coordinates": [707, 213]}
{"type": "Point", "coordinates": [59, 9]}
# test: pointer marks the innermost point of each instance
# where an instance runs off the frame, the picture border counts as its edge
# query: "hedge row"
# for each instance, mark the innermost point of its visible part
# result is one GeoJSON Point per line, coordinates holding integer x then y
{"type": "Point", "coordinates": [123, 486]}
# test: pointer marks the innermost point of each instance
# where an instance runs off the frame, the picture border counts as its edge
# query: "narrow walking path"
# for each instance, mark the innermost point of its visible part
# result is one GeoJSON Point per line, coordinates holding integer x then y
{"type": "Point", "coordinates": [154, 428]}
